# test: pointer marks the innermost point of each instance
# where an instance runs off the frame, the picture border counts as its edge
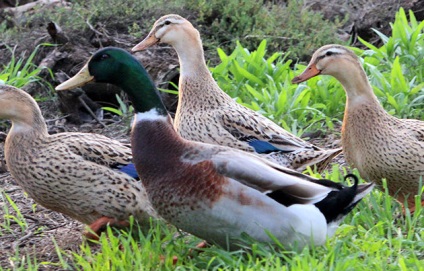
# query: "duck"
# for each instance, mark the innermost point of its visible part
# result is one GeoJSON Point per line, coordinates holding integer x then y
{"type": "Point", "coordinates": [216, 192]}
{"type": "Point", "coordinates": [206, 113]}
{"type": "Point", "coordinates": [88, 177]}
{"type": "Point", "coordinates": [378, 144]}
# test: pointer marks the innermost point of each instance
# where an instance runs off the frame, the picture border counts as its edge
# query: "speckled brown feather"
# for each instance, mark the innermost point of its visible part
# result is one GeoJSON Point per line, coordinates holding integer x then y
{"type": "Point", "coordinates": [390, 149]}
{"type": "Point", "coordinates": [69, 172]}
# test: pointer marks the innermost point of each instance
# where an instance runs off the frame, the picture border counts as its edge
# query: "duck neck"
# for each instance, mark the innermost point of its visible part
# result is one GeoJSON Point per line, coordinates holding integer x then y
{"type": "Point", "coordinates": [191, 56]}
{"type": "Point", "coordinates": [153, 136]}
{"type": "Point", "coordinates": [29, 120]}
{"type": "Point", "coordinates": [362, 105]}
{"type": "Point", "coordinates": [193, 68]}
{"type": "Point", "coordinates": [26, 127]}
{"type": "Point", "coordinates": [357, 87]}
{"type": "Point", "coordinates": [141, 90]}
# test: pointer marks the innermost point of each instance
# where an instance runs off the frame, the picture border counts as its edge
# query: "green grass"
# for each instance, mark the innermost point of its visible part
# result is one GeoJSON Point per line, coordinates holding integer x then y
{"type": "Point", "coordinates": [374, 236]}
{"type": "Point", "coordinates": [11, 214]}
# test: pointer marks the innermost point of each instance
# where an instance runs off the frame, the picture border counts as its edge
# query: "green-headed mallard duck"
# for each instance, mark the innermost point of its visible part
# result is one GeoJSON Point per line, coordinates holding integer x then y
{"type": "Point", "coordinates": [376, 143]}
{"type": "Point", "coordinates": [217, 192]}
{"type": "Point", "coordinates": [88, 177]}
{"type": "Point", "coordinates": [207, 114]}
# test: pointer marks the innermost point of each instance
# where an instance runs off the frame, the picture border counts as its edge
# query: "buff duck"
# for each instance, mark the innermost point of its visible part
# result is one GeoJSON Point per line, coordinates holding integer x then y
{"type": "Point", "coordinates": [88, 177]}
{"type": "Point", "coordinates": [377, 144]}
{"type": "Point", "coordinates": [207, 114]}
{"type": "Point", "coordinates": [217, 192]}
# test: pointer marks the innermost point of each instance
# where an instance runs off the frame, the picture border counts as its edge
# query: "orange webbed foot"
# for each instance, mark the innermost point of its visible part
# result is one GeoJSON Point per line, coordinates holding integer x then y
{"type": "Point", "coordinates": [98, 226]}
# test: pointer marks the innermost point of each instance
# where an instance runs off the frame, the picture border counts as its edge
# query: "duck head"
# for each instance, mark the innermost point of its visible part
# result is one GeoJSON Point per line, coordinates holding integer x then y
{"type": "Point", "coordinates": [107, 65]}
{"type": "Point", "coordinates": [341, 63]}
{"type": "Point", "coordinates": [330, 59]}
{"type": "Point", "coordinates": [17, 105]}
{"type": "Point", "coordinates": [117, 66]}
{"type": "Point", "coordinates": [170, 29]}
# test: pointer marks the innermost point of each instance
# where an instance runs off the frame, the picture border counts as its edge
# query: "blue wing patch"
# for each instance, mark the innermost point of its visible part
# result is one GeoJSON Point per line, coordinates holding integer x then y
{"type": "Point", "coordinates": [263, 146]}
{"type": "Point", "coordinates": [260, 146]}
{"type": "Point", "coordinates": [129, 170]}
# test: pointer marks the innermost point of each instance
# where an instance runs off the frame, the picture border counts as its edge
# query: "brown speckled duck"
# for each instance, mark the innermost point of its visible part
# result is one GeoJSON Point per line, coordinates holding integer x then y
{"type": "Point", "coordinates": [88, 177]}
{"type": "Point", "coordinates": [215, 192]}
{"type": "Point", "coordinates": [205, 113]}
{"type": "Point", "coordinates": [376, 143]}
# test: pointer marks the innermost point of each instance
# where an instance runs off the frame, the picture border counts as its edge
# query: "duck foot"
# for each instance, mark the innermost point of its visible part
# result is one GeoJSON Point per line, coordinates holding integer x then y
{"type": "Point", "coordinates": [98, 226]}
{"type": "Point", "coordinates": [413, 207]}
{"type": "Point", "coordinates": [162, 259]}
{"type": "Point", "coordinates": [202, 244]}
{"type": "Point", "coordinates": [199, 248]}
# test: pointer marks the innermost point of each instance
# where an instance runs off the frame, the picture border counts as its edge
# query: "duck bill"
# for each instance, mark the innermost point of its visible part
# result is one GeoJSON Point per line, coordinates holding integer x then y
{"type": "Point", "coordinates": [310, 72]}
{"type": "Point", "coordinates": [79, 79]}
{"type": "Point", "coordinates": [150, 40]}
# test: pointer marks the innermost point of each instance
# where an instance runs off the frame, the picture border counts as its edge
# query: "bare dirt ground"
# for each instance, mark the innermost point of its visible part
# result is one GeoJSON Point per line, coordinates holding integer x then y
{"type": "Point", "coordinates": [44, 231]}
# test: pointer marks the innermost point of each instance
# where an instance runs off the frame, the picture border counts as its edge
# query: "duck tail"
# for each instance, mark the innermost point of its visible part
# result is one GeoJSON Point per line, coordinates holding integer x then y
{"type": "Point", "coordinates": [319, 158]}
{"type": "Point", "coordinates": [343, 199]}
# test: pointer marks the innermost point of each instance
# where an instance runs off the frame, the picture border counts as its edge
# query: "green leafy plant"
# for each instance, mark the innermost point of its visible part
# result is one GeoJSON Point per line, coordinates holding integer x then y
{"type": "Point", "coordinates": [20, 71]}
{"type": "Point", "coordinates": [123, 110]}
{"type": "Point", "coordinates": [263, 84]}
{"type": "Point", "coordinates": [287, 25]}
{"type": "Point", "coordinates": [11, 214]}
{"type": "Point", "coordinates": [396, 69]}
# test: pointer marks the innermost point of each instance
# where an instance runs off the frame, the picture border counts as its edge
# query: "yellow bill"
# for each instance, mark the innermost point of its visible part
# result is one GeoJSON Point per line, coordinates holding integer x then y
{"type": "Point", "coordinates": [79, 79]}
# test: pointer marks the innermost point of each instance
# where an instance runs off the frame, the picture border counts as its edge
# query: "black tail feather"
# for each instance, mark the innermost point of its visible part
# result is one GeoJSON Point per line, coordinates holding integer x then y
{"type": "Point", "coordinates": [340, 202]}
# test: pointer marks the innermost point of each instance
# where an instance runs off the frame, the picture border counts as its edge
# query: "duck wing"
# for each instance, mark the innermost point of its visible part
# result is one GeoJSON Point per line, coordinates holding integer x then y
{"type": "Point", "coordinates": [261, 174]}
{"type": "Point", "coordinates": [99, 149]}
{"type": "Point", "coordinates": [416, 129]}
{"type": "Point", "coordinates": [259, 132]}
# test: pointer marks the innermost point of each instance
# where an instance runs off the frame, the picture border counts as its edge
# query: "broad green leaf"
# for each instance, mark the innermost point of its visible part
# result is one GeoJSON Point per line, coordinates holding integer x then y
{"type": "Point", "coordinates": [247, 74]}
{"type": "Point", "coordinates": [113, 110]}
{"type": "Point", "coordinates": [398, 80]}
{"type": "Point", "coordinates": [254, 92]}
{"type": "Point", "coordinates": [392, 102]}
{"type": "Point", "coordinates": [370, 46]}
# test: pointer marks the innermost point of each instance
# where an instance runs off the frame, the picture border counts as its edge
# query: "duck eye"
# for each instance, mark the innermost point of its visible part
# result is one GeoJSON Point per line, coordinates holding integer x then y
{"type": "Point", "coordinates": [104, 56]}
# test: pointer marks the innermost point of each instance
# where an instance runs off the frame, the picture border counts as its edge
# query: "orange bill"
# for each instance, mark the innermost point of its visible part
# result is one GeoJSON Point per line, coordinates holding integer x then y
{"type": "Point", "coordinates": [310, 72]}
{"type": "Point", "coordinates": [150, 40]}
